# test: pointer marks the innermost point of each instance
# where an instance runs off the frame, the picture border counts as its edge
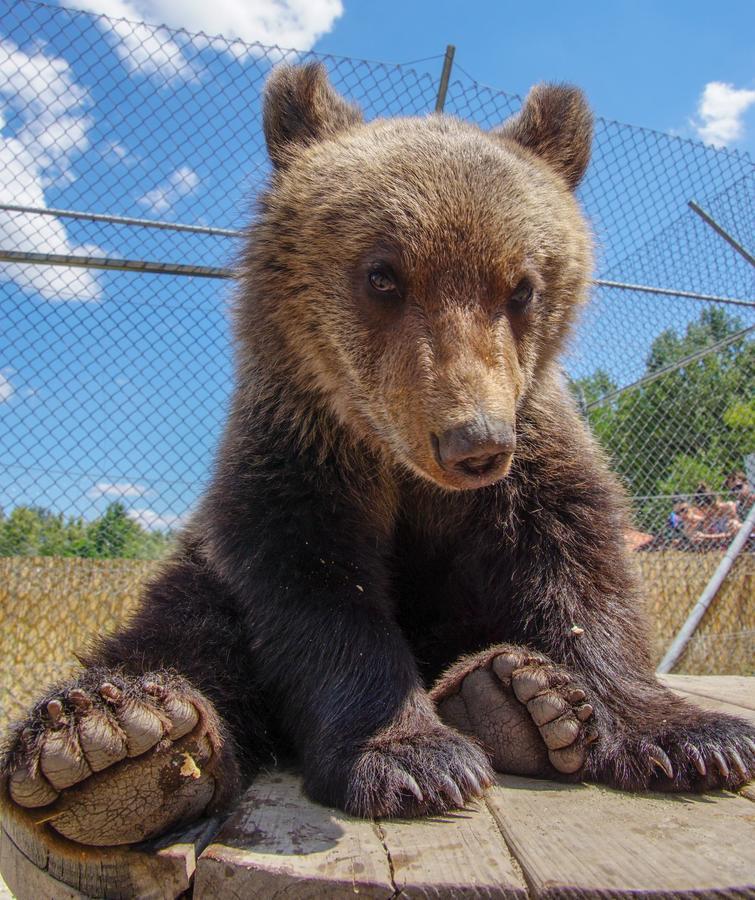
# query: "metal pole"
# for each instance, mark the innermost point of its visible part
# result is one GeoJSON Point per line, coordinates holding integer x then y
{"type": "Point", "coordinates": [679, 364]}
{"type": "Point", "coordinates": [698, 611]}
{"type": "Point", "coordinates": [448, 61]}
{"type": "Point", "coordinates": [708, 218]}
{"type": "Point", "coordinates": [121, 220]}
{"type": "Point", "coordinates": [95, 262]}
{"type": "Point", "coordinates": [120, 265]}
{"type": "Point", "coordinates": [670, 292]}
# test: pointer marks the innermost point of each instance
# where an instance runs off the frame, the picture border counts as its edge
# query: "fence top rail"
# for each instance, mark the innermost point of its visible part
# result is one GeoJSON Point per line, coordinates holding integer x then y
{"type": "Point", "coordinates": [166, 268]}
{"type": "Point", "coordinates": [121, 220]}
{"type": "Point", "coordinates": [117, 265]}
{"type": "Point", "coordinates": [672, 292]}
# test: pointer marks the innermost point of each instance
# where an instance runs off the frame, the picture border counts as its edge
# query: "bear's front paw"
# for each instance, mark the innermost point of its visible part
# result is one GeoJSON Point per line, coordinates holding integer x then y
{"type": "Point", "coordinates": [706, 752]}
{"type": "Point", "coordinates": [530, 714]}
{"type": "Point", "coordinates": [416, 773]}
{"type": "Point", "coordinates": [112, 759]}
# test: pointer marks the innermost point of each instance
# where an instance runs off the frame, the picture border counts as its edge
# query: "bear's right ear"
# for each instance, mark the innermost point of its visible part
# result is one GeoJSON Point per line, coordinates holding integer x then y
{"type": "Point", "coordinates": [301, 108]}
{"type": "Point", "coordinates": [555, 123]}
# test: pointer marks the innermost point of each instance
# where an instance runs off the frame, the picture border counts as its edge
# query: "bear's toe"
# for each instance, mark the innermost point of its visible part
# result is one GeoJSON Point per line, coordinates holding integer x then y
{"type": "Point", "coordinates": [526, 711]}
{"type": "Point", "coordinates": [114, 759]}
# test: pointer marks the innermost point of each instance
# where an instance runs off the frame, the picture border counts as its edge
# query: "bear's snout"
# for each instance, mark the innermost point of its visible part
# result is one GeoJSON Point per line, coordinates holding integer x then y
{"type": "Point", "coordinates": [476, 452]}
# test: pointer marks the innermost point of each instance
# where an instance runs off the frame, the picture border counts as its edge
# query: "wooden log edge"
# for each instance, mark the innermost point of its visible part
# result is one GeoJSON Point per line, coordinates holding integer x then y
{"type": "Point", "coordinates": [35, 862]}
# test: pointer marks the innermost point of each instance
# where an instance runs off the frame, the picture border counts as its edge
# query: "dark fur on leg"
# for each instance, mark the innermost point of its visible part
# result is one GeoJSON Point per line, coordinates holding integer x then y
{"type": "Point", "coordinates": [190, 623]}
{"type": "Point", "coordinates": [542, 563]}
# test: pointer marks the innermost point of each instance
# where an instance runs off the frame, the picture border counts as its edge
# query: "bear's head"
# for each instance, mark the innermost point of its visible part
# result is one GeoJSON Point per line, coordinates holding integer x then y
{"type": "Point", "coordinates": [417, 276]}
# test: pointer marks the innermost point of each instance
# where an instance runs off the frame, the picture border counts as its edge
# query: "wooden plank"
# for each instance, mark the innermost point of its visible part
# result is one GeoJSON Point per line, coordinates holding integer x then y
{"type": "Point", "coordinates": [718, 706]}
{"type": "Point", "coordinates": [278, 843]}
{"type": "Point", "coordinates": [589, 842]}
{"type": "Point", "coordinates": [24, 878]}
{"type": "Point", "coordinates": [37, 863]}
{"type": "Point", "coordinates": [735, 689]}
{"type": "Point", "coordinates": [460, 855]}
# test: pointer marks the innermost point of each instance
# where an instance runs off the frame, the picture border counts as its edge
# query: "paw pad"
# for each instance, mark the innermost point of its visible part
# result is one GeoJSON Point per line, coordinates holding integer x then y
{"type": "Point", "coordinates": [524, 709]}
{"type": "Point", "coordinates": [116, 760]}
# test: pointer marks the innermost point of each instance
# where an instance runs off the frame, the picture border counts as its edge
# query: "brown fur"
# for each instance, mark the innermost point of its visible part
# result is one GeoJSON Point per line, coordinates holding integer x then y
{"type": "Point", "coordinates": [338, 564]}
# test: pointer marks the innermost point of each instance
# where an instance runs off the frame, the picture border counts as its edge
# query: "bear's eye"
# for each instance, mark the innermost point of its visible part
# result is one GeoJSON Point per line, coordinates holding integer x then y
{"type": "Point", "coordinates": [521, 297]}
{"type": "Point", "coordinates": [383, 281]}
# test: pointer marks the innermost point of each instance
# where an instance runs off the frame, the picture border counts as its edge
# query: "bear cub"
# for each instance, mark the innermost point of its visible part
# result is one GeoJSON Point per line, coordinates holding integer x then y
{"type": "Point", "coordinates": [408, 569]}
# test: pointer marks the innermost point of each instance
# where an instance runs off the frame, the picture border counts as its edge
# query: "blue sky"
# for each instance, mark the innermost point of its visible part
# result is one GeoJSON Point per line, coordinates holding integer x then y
{"type": "Point", "coordinates": [113, 386]}
{"type": "Point", "coordinates": [643, 62]}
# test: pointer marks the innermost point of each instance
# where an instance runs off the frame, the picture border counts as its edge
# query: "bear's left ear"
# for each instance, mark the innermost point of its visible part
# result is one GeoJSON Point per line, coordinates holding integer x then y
{"type": "Point", "coordinates": [301, 108]}
{"type": "Point", "coordinates": [555, 123]}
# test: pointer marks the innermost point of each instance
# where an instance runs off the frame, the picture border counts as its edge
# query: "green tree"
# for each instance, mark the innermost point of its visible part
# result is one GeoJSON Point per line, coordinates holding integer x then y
{"type": "Point", "coordinates": [35, 531]}
{"type": "Point", "coordinates": [592, 388]}
{"type": "Point", "coordinates": [20, 532]}
{"type": "Point", "coordinates": [692, 424]}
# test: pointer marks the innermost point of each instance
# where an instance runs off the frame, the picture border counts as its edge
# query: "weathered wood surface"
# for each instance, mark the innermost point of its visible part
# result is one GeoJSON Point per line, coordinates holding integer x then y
{"type": "Point", "coordinates": [587, 841]}
{"type": "Point", "coordinates": [280, 844]}
{"type": "Point", "coordinates": [734, 689]}
{"type": "Point", "coordinates": [459, 855]}
{"type": "Point", "coordinates": [37, 864]}
{"type": "Point", "coordinates": [529, 838]}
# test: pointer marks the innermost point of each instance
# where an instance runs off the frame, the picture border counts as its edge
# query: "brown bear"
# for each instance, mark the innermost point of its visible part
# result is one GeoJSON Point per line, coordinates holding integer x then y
{"type": "Point", "coordinates": [408, 568]}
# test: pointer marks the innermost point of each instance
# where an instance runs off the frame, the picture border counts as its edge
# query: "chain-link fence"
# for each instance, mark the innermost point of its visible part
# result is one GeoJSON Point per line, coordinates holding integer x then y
{"type": "Point", "coordinates": [113, 382]}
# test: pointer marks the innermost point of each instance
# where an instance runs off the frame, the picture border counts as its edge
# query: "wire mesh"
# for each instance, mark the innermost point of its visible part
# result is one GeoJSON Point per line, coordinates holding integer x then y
{"type": "Point", "coordinates": [114, 385]}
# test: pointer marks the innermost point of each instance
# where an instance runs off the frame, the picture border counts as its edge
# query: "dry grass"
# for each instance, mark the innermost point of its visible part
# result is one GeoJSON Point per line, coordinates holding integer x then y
{"type": "Point", "coordinates": [51, 607]}
{"type": "Point", "coordinates": [724, 643]}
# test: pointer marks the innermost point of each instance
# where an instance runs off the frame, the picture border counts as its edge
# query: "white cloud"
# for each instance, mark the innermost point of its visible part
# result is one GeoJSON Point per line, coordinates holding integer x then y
{"type": "Point", "coordinates": [117, 153]}
{"type": "Point", "coordinates": [6, 388]}
{"type": "Point", "coordinates": [181, 183]}
{"type": "Point", "coordinates": [153, 521]}
{"type": "Point", "coordinates": [123, 489]}
{"type": "Point", "coordinates": [152, 51]}
{"type": "Point", "coordinates": [51, 130]}
{"type": "Point", "coordinates": [721, 109]}
{"type": "Point", "coordinates": [51, 107]}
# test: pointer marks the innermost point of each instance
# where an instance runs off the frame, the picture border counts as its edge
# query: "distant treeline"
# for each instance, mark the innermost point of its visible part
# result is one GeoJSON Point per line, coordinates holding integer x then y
{"type": "Point", "coordinates": [35, 531]}
{"type": "Point", "coordinates": [692, 424]}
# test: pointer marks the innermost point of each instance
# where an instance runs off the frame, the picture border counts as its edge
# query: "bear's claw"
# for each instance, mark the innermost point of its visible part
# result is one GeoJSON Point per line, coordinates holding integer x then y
{"type": "Point", "coordinates": [76, 734]}
{"type": "Point", "coordinates": [420, 773]}
{"type": "Point", "coordinates": [710, 754]}
{"type": "Point", "coordinates": [99, 758]}
{"type": "Point", "coordinates": [659, 758]}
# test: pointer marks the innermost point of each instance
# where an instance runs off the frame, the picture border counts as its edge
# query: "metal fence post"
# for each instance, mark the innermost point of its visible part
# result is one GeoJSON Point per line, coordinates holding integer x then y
{"type": "Point", "coordinates": [448, 61]}
{"type": "Point", "coordinates": [733, 242]}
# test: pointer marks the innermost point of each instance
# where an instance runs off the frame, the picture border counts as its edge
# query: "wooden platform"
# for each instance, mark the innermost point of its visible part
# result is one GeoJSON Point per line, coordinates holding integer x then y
{"type": "Point", "coordinates": [529, 838]}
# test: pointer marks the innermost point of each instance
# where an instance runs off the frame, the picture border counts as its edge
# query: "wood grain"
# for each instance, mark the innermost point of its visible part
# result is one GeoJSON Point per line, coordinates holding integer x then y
{"type": "Point", "coordinates": [590, 842]}
{"type": "Point", "coordinates": [36, 864]}
{"type": "Point", "coordinates": [460, 855]}
{"type": "Point", "coordinates": [734, 689]}
{"type": "Point", "coordinates": [278, 843]}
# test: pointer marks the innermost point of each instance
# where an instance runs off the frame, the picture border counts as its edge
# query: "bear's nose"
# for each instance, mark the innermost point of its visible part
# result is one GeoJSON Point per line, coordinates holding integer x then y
{"type": "Point", "coordinates": [475, 448]}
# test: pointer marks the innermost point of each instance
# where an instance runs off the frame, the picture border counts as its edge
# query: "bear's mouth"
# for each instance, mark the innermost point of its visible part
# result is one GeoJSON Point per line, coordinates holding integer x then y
{"type": "Point", "coordinates": [470, 473]}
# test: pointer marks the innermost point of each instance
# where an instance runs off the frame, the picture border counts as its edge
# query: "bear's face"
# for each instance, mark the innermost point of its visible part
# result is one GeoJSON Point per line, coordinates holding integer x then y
{"type": "Point", "coordinates": [421, 272]}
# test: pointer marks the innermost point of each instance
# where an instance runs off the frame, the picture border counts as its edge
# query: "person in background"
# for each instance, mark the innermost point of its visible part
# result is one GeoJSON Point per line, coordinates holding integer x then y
{"type": "Point", "coordinates": [719, 521]}
{"type": "Point", "coordinates": [689, 519]}
{"type": "Point", "coordinates": [742, 494]}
